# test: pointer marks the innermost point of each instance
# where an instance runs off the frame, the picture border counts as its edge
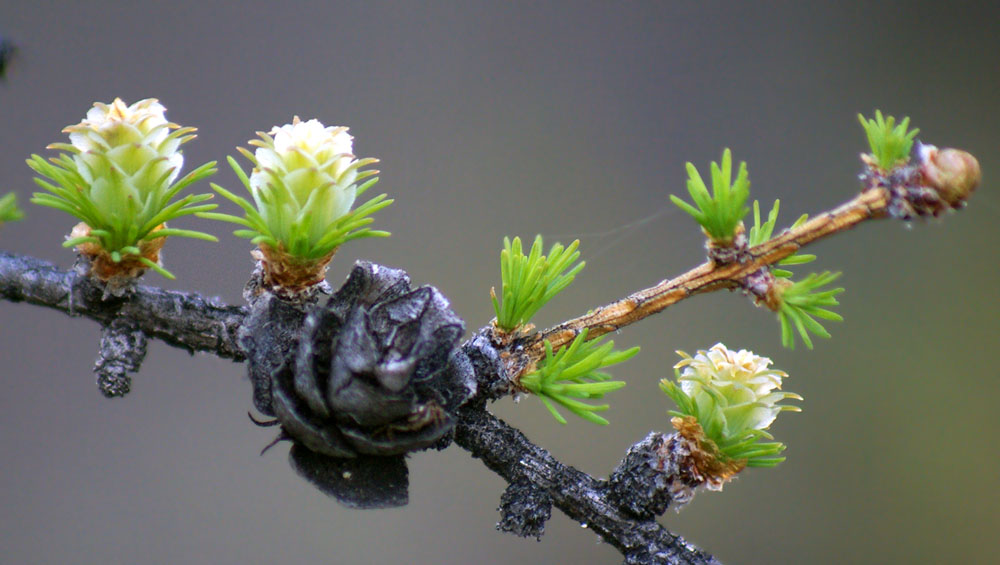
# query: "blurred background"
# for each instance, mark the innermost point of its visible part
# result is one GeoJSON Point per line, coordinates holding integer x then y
{"type": "Point", "coordinates": [572, 120]}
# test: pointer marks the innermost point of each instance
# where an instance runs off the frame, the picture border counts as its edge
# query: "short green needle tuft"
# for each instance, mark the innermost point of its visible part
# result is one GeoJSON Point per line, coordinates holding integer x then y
{"type": "Point", "coordinates": [761, 232]}
{"type": "Point", "coordinates": [804, 301]}
{"type": "Point", "coordinates": [571, 376]}
{"type": "Point", "coordinates": [9, 212]}
{"type": "Point", "coordinates": [720, 212]}
{"type": "Point", "coordinates": [890, 143]}
{"type": "Point", "coordinates": [530, 281]}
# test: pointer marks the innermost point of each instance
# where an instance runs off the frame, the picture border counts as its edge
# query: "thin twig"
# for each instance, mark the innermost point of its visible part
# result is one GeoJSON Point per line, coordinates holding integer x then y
{"type": "Point", "coordinates": [707, 277]}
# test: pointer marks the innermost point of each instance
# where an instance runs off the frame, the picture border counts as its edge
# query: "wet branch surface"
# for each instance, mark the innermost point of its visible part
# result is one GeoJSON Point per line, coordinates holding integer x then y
{"type": "Point", "coordinates": [180, 319]}
{"type": "Point", "coordinates": [507, 452]}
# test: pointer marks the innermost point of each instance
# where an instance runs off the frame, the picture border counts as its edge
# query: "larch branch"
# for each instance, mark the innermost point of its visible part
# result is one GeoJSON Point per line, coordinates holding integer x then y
{"type": "Point", "coordinates": [708, 276]}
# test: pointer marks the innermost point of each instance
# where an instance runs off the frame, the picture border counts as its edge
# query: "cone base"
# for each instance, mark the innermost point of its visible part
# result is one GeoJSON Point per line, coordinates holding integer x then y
{"type": "Point", "coordinates": [121, 273]}
{"type": "Point", "coordinates": [292, 275]}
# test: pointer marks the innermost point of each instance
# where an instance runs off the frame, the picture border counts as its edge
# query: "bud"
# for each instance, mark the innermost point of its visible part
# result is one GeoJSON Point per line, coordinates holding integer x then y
{"type": "Point", "coordinates": [726, 400]}
{"type": "Point", "coordinates": [738, 384]}
{"type": "Point", "coordinates": [311, 163]}
{"type": "Point", "coordinates": [119, 175]}
{"type": "Point", "coordinates": [304, 184]}
{"type": "Point", "coordinates": [952, 173]}
{"type": "Point", "coordinates": [132, 140]}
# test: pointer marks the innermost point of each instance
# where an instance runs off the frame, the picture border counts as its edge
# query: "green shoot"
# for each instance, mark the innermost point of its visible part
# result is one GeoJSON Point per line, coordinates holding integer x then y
{"type": "Point", "coordinates": [890, 143]}
{"type": "Point", "coordinates": [9, 211]}
{"type": "Point", "coordinates": [282, 220]}
{"type": "Point", "coordinates": [570, 376]}
{"type": "Point", "coordinates": [761, 232]}
{"type": "Point", "coordinates": [529, 282]}
{"type": "Point", "coordinates": [721, 212]}
{"type": "Point", "coordinates": [802, 303]}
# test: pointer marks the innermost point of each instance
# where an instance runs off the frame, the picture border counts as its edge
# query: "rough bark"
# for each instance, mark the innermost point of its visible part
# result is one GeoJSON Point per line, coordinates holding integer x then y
{"type": "Point", "coordinates": [185, 320]}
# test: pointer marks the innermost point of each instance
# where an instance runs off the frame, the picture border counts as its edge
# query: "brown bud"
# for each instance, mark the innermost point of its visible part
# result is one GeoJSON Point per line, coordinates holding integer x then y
{"type": "Point", "coordinates": [106, 269]}
{"type": "Point", "coordinates": [288, 272]}
{"type": "Point", "coordinates": [704, 459]}
{"type": "Point", "coordinates": [953, 173]}
{"type": "Point", "coordinates": [772, 297]}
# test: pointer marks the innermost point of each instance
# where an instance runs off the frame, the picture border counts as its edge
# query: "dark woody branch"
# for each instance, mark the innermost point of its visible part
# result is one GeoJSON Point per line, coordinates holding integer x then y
{"type": "Point", "coordinates": [184, 320]}
{"type": "Point", "coordinates": [507, 452]}
{"type": "Point", "coordinates": [122, 350]}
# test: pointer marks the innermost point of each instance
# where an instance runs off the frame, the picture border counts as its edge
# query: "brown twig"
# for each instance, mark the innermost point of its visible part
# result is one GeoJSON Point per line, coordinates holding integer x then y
{"type": "Point", "coordinates": [870, 204]}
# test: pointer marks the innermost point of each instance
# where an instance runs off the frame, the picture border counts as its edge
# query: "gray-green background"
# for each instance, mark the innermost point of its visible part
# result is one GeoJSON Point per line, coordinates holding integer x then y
{"type": "Point", "coordinates": [493, 119]}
